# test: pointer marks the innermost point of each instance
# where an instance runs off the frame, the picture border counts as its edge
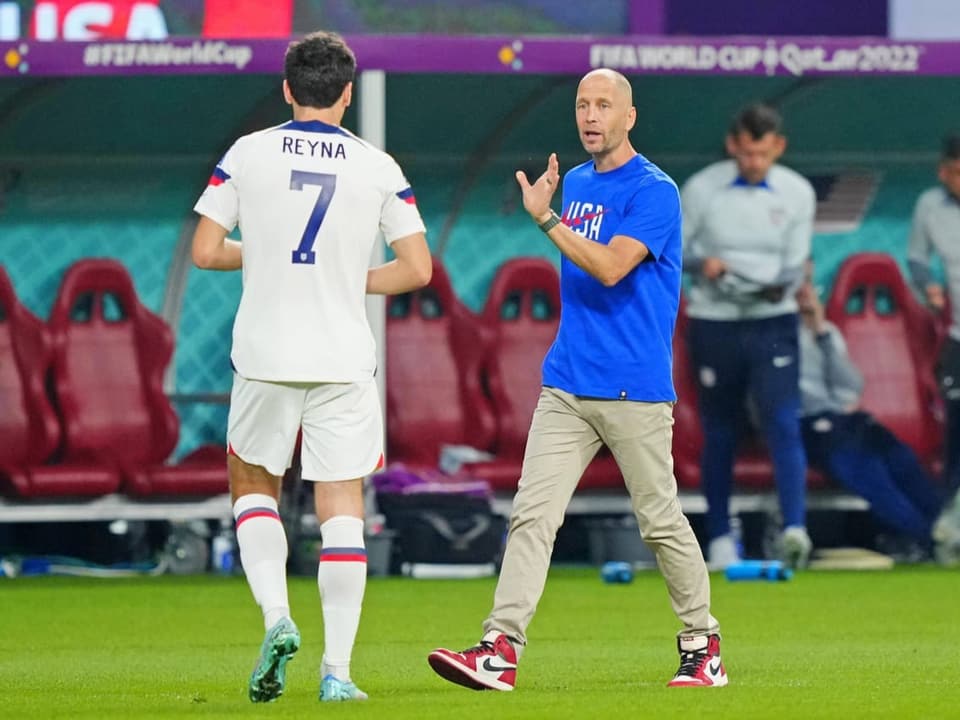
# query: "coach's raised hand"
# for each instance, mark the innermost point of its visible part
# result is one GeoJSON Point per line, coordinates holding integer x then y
{"type": "Point", "coordinates": [536, 197]}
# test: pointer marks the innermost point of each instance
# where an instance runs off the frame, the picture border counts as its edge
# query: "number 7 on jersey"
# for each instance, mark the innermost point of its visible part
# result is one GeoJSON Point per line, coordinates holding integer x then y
{"type": "Point", "coordinates": [304, 254]}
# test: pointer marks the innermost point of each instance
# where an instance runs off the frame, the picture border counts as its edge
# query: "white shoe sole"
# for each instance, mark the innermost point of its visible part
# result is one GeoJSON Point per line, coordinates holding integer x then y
{"type": "Point", "coordinates": [449, 669]}
{"type": "Point", "coordinates": [719, 682]}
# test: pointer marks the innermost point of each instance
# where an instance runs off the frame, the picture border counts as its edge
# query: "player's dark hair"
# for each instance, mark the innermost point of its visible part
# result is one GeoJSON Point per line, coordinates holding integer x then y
{"type": "Point", "coordinates": [318, 68]}
{"type": "Point", "coordinates": [950, 149]}
{"type": "Point", "coordinates": [757, 120]}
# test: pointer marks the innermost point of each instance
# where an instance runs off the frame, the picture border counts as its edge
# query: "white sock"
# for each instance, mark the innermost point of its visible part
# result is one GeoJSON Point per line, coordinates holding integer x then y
{"type": "Point", "coordinates": [342, 578]}
{"type": "Point", "coordinates": [263, 554]}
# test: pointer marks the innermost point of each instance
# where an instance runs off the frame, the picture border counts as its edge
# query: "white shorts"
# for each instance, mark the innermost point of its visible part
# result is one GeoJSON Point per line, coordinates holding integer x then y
{"type": "Point", "coordinates": [342, 427]}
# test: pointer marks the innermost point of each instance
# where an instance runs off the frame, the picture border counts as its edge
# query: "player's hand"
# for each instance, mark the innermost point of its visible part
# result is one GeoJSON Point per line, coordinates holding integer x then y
{"type": "Point", "coordinates": [713, 268]}
{"type": "Point", "coordinates": [808, 302]}
{"type": "Point", "coordinates": [935, 296]}
{"type": "Point", "coordinates": [536, 197]}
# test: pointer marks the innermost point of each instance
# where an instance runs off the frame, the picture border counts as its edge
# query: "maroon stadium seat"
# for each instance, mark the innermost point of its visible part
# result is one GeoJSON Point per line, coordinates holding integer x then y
{"type": "Point", "coordinates": [893, 340]}
{"type": "Point", "coordinates": [28, 426]}
{"type": "Point", "coordinates": [522, 312]}
{"type": "Point", "coordinates": [110, 353]}
{"type": "Point", "coordinates": [434, 349]}
{"type": "Point", "coordinates": [523, 308]}
{"type": "Point", "coordinates": [687, 432]}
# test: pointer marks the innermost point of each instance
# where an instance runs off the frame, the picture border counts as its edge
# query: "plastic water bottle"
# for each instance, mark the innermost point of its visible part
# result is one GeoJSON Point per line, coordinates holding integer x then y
{"type": "Point", "coordinates": [771, 570]}
{"type": "Point", "coordinates": [9, 567]}
{"type": "Point", "coordinates": [736, 532]}
{"type": "Point", "coordinates": [617, 572]}
{"type": "Point", "coordinates": [223, 546]}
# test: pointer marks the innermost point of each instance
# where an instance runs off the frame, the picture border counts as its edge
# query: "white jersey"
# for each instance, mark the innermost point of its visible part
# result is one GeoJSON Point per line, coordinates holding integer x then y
{"type": "Point", "coordinates": [310, 200]}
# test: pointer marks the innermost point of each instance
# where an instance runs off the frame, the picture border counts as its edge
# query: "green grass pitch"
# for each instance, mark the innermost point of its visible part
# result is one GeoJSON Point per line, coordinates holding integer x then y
{"type": "Point", "coordinates": [824, 645]}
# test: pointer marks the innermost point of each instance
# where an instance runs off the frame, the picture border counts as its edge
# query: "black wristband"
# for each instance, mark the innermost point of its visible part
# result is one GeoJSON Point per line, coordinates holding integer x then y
{"type": "Point", "coordinates": [550, 223]}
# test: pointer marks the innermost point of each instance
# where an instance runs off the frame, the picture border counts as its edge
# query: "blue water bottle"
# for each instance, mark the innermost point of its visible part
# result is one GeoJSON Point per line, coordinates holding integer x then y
{"type": "Point", "coordinates": [617, 572]}
{"type": "Point", "coordinates": [771, 570]}
{"type": "Point", "coordinates": [223, 547]}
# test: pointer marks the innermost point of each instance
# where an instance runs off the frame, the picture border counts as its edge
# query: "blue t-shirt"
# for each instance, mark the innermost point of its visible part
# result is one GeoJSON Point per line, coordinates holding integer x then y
{"type": "Point", "coordinates": [617, 342]}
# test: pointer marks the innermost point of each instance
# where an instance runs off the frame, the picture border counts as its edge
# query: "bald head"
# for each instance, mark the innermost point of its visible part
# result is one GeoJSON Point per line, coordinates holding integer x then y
{"type": "Point", "coordinates": [619, 84]}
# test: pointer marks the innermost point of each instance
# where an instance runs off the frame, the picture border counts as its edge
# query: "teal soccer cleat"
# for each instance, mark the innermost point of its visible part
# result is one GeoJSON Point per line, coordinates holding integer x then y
{"type": "Point", "coordinates": [334, 690]}
{"type": "Point", "coordinates": [280, 644]}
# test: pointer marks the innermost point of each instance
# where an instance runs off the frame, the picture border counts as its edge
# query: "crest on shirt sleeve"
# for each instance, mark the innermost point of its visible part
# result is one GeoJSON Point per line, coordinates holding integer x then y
{"type": "Point", "coordinates": [218, 177]}
{"type": "Point", "coordinates": [407, 196]}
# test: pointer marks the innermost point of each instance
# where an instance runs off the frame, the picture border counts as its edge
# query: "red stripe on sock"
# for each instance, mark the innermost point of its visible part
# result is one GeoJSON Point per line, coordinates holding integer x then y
{"type": "Point", "coordinates": [250, 516]}
{"type": "Point", "coordinates": [343, 558]}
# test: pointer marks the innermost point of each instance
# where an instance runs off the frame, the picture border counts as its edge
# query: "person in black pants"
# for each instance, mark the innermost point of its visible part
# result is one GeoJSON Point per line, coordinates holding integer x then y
{"type": "Point", "coordinates": [934, 232]}
{"type": "Point", "coordinates": [747, 228]}
{"type": "Point", "coordinates": [848, 444]}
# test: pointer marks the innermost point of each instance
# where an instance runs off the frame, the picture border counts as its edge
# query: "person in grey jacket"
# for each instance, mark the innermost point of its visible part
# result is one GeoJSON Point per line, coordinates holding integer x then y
{"type": "Point", "coordinates": [747, 227]}
{"type": "Point", "coordinates": [847, 443]}
{"type": "Point", "coordinates": [933, 234]}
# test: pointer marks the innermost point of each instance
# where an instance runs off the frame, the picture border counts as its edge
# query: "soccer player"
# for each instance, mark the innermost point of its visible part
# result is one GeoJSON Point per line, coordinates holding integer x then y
{"type": "Point", "coordinates": [310, 199]}
{"type": "Point", "coordinates": [606, 379]}
{"type": "Point", "coordinates": [747, 229]}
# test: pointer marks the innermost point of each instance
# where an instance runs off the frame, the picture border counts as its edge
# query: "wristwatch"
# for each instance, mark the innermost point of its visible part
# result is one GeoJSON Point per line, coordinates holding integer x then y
{"type": "Point", "coordinates": [550, 223]}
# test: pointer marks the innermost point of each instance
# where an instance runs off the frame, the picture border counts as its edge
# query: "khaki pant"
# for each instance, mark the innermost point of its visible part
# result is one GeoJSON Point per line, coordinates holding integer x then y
{"type": "Point", "coordinates": [566, 433]}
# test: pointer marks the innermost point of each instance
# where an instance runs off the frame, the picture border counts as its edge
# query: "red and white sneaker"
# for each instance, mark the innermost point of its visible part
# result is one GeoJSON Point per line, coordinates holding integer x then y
{"type": "Point", "coordinates": [491, 665]}
{"type": "Point", "coordinates": [700, 664]}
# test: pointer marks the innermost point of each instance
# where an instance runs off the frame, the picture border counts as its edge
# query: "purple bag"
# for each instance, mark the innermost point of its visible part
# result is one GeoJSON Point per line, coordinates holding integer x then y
{"type": "Point", "coordinates": [398, 479]}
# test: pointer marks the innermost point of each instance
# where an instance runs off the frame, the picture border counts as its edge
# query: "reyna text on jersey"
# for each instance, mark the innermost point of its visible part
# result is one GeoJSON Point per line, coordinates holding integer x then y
{"type": "Point", "coordinates": [314, 148]}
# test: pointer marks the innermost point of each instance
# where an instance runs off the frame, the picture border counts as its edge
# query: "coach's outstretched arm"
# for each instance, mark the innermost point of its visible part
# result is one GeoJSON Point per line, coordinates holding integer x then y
{"type": "Point", "coordinates": [212, 250]}
{"type": "Point", "coordinates": [607, 263]}
{"type": "Point", "coordinates": [410, 270]}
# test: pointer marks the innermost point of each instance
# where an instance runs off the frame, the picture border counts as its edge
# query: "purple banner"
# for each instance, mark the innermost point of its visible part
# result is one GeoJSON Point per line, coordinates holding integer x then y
{"type": "Point", "coordinates": [847, 18]}
{"type": "Point", "coordinates": [507, 55]}
{"type": "Point", "coordinates": [646, 17]}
